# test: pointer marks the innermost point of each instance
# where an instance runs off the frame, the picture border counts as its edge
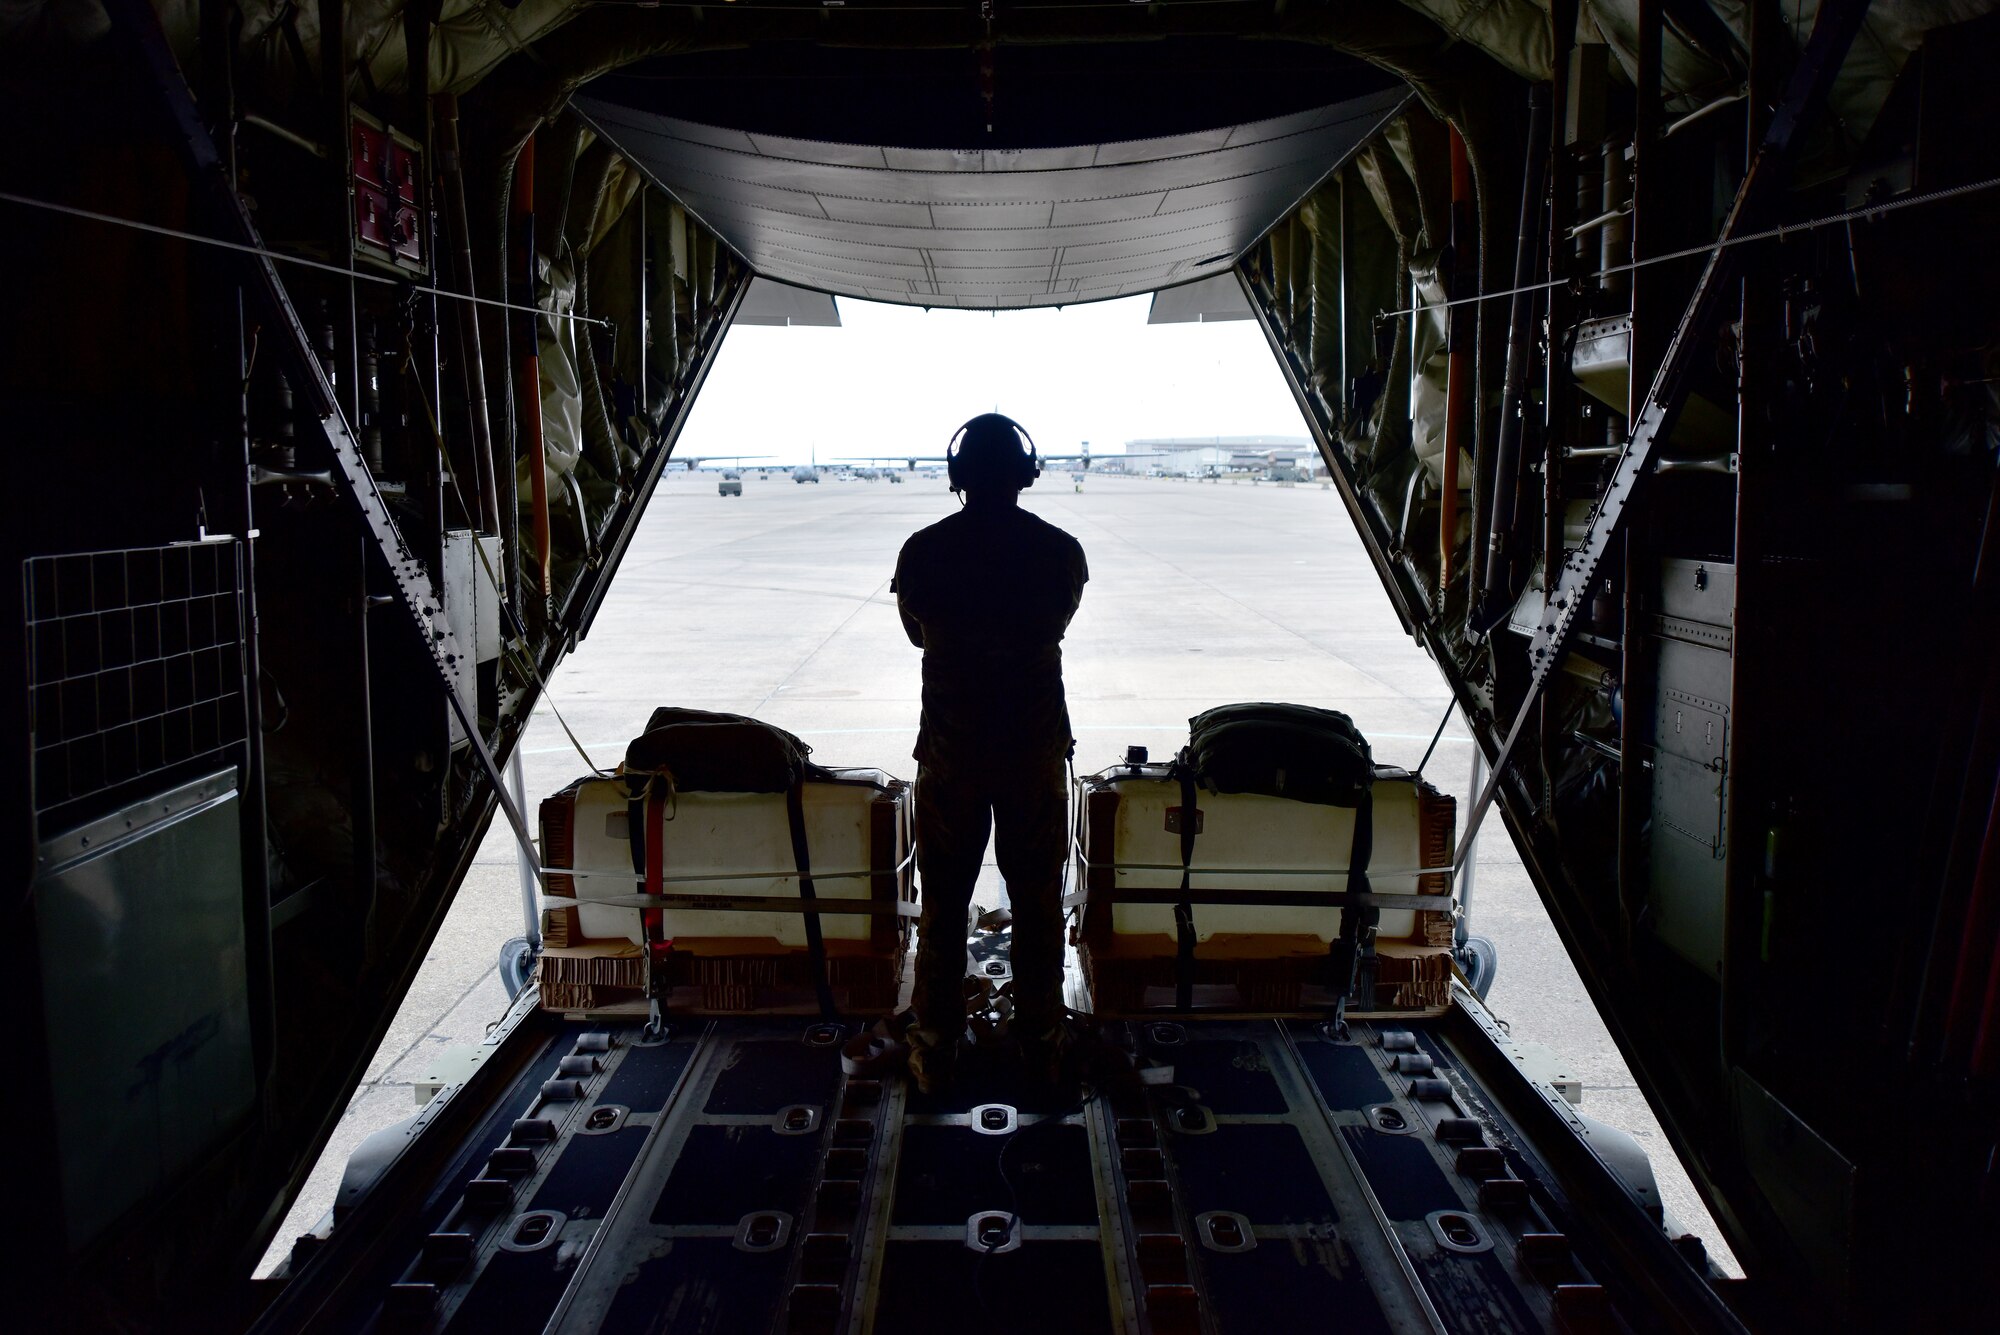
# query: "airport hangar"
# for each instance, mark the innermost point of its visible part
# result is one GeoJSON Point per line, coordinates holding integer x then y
{"type": "Point", "coordinates": [1648, 342]}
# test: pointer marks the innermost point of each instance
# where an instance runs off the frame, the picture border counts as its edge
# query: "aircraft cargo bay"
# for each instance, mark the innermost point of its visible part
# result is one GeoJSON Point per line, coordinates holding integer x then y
{"type": "Point", "coordinates": [1504, 837]}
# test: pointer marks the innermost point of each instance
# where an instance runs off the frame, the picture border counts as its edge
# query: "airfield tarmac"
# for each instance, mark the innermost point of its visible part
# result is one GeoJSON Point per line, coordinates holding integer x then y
{"type": "Point", "coordinates": [777, 604]}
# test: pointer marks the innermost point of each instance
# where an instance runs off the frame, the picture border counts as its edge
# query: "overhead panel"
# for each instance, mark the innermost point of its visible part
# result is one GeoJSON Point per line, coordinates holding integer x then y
{"type": "Point", "coordinates": [993, 228]}
{"type": "Point", "coordinates": [1205, 301]}
{"type": "Point", "coordinates": [773, 303]}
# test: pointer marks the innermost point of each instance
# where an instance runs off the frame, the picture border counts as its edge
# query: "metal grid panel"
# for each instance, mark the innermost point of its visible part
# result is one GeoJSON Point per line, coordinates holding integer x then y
{"type": "Point", "coordinates": [135, 666]}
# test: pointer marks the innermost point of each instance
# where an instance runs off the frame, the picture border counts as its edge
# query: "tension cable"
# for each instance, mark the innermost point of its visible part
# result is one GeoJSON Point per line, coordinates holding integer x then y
{"type": "Point", "coordinates": [1778, 232]}
{"type": "Point", "coordinates": [158, 229]}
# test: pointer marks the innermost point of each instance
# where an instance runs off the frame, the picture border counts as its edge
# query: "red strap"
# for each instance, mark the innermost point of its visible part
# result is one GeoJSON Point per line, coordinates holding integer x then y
{"type": "Point", "coordinates": [653, 920]}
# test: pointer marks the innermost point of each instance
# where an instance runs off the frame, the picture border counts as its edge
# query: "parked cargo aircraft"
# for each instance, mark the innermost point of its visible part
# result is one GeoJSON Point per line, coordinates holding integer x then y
{"type": "Point", "coordinates": [691, 462]}
{"type": "Point", "coordinates": [1081, 459]}
{"type": "Point", "coordinates": [1650, 348]}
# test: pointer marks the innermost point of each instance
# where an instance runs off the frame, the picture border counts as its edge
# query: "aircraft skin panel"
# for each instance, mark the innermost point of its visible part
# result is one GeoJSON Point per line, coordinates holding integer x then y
{"type": "Point", "coordinates": [1129, 199]}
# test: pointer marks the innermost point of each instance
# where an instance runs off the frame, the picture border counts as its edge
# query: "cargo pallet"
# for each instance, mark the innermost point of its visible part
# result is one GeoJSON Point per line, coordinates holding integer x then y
{"type": "Point", "coordinates": [728, 1178]}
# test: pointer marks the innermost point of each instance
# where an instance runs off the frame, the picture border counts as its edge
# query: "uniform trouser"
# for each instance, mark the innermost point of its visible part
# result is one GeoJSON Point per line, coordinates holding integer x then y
{"type": "Point", "coordinates": [1026, 808]}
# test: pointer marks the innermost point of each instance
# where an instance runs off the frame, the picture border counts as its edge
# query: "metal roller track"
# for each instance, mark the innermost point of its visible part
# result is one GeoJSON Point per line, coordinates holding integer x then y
{"type": "Point", "coordinates": [731, 1179]}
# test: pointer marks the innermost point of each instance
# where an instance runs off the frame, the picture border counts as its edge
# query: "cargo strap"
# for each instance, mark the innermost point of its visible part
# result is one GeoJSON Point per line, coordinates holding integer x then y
{"type": "Point", "coordinates": [795, 814]}
{"type": "Point", "coordinates": [1351, 961]}
{"type": "Point", "coordinates": [1184, 911]}
{"type": "Point", "coordinates": [646, 827]}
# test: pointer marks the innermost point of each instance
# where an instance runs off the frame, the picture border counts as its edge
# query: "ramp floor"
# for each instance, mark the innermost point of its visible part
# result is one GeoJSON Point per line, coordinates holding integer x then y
{"type": "Point", "coordinates": [731, 1179]}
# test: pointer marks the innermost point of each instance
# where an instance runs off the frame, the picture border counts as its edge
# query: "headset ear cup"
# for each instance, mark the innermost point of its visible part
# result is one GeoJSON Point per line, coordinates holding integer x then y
{"type": "Point", "coordinates": [952, 453]}
{"type": "Point", "coordinates": [1030, 466]}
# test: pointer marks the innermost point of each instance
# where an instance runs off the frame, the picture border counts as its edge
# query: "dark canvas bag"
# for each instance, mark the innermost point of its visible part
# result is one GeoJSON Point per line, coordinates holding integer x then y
{"type": "Point", "coordinates": [1294, 751]}
{"type": "Point", "coordinates": [708, 752]}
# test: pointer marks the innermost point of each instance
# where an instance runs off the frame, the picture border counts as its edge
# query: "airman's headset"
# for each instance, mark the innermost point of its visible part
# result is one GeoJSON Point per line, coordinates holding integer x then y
{"type": "Point", "coordinates": [992, 449]}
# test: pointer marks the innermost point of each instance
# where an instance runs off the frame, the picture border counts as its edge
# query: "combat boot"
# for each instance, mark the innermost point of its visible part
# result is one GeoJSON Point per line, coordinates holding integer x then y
{"type": "Point", "coordinates": [1046, 1053]}
{"type": "Point", "coordinates": [933, 1060]}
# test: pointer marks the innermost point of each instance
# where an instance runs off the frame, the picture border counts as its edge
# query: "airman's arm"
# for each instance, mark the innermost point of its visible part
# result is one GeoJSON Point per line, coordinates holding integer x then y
{"type": "Point", "coordinates": [899, 586]}
{"type": "Point", "coordinates": [1079, 575]}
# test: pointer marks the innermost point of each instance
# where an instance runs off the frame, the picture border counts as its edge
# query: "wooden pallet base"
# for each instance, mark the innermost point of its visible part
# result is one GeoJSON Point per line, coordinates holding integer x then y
{"type": "Point", "coordinates": [609, 978]}
{"type": "Point", "coordinates": [1410, 980]}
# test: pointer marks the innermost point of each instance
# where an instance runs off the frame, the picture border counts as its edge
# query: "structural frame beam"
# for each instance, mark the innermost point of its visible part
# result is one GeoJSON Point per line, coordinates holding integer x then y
{"type": "Point", "coordinates": [1763, 184]}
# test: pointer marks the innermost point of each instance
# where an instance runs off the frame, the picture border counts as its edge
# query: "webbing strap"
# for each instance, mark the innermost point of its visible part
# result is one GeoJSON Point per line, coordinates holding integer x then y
{"type": "Point", "coordinates": [795, 815]}
{"type": "Point", "coordinates": [635, 832]}
{"type": "Point", "coordinates": [1352, 958]}
{"type": "Point", "coordinates": [646, 831]}
{"type": "Point", "coordinates": [1184, 911]}
{"type": "Point", "coordinates": [656, 843]}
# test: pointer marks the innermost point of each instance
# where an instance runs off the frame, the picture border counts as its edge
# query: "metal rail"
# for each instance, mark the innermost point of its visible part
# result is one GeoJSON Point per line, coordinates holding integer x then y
{"type": "Point", "coordinates": [1176, 868]}
{"type": "Point", "coordinates": [784, 874]}
{"type": "Point", "coordinates": [1265, 899]}
{"type": "Point", "coordinates": [878, 908]}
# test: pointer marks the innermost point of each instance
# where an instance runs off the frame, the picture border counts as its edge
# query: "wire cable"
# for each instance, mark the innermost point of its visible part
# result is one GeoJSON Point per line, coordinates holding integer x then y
{"type": "Point", "coordinates": [244, 248]}
{"type": "Point", "coordinates": [1779, 232]}
{"type": "Point", "coordinates": [988, 1249]}
{"type": "Point", "coordinates": [519, 658]}
{"type": "Point", "coordinates": [1437, 736]}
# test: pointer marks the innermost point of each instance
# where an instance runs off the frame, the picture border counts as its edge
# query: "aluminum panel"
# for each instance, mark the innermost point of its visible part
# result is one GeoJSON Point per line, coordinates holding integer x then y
{"type": "Point", "coordinates": [774, 303]}
{"type": "Point", "coordinates": [999, 261]}
{"type": "Point", "coordinates": [1205, 300]}
{"type": "Point", "coordinates": [1137, 150]}
{"type": "Point", "coordinates": [879, 211]}
{"type": "Point", "coordinates": [1103, 267]}
{"type": "Point", "coordinates": [1289, 180]}
{"type": "Point", "coordinates": [1107, 209]}
{"type": "Point", "coordinates": [979, 217]}
{"type": "Point", "coordinates": [1157, 206]}
{"type": "Point", "coordinates": [812, 232]}
{"type": "Point", "coordinates": [898, 264]}
{"type": "Point", "coordinates": [930, 159]}
{"type": "Point", "coordinates": [813, 150]}
{"type": "Point", "coordinates": [716, 135]}
{"type": "Point", "coordinates": [701, 192]}
{"type": "Point", "coordinates": [1689, 835]}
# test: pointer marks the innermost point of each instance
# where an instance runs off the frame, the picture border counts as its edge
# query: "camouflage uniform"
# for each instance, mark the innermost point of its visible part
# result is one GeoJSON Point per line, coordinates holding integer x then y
{"type": "Point", "coordinates": [1027, 813]}
{"type": "Point", "coordinates": [987, 594]}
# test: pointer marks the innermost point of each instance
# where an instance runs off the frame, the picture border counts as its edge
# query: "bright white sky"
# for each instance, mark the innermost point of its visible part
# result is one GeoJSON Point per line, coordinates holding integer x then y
{"type": "Point", "coordinates": [899, 378]}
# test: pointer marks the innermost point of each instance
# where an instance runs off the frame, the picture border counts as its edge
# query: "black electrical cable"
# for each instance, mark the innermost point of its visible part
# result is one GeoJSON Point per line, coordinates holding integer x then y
{"type": "Point", "coordinates": [988, 1249]}
{"type": "Point", "coordinates": [1436, 736]}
